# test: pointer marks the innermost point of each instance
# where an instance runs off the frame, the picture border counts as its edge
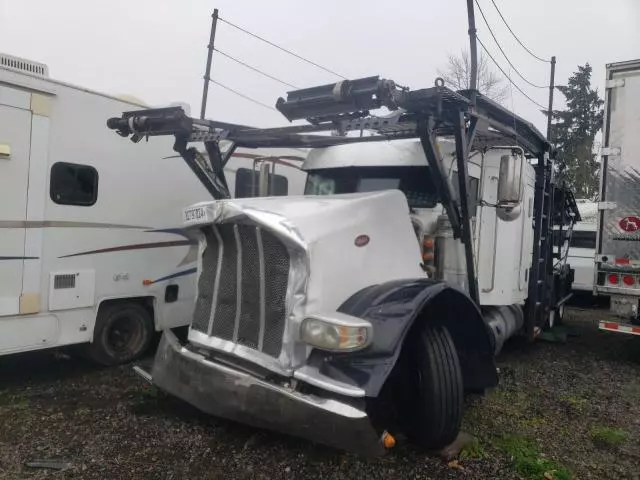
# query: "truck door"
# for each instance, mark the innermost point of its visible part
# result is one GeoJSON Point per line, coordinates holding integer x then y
{"type": "Point", "coordinates": [15, 133]}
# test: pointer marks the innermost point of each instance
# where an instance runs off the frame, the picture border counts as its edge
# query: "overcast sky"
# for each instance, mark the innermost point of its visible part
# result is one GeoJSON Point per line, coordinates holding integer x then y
{"type": "Point", "coordinates": [156, 49]}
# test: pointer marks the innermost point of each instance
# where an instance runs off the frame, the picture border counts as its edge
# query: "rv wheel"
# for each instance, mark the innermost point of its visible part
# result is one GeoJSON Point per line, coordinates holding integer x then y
{"type": "Point", "coordinates": [433, 393]}
{"type": "Point", "coordinates": [123, 333]}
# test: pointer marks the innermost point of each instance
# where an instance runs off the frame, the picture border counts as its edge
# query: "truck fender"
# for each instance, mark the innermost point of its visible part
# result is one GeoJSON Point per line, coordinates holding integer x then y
{"type": "Point", "coordinates": [396, 309]}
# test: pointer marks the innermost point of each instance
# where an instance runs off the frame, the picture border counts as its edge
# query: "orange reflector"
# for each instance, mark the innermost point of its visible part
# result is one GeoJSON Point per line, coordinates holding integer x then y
{"type": "Point", "coordinates": [147, 282]}
{"type": "Point", "coordinates": [628, 280]}
{"type": "Point", "coordinates": [428, 242]}
{"type": "Point", "coordinates": [613, 278]}
{"type": "Point", "coordinates": [427, 256]}
{"type": "Point", "coordinates": [388, 440]}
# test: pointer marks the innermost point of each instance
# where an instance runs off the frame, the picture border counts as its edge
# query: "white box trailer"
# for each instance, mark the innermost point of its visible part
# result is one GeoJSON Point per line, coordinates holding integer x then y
{"type": "Point", "coordinates": [89, 251]}
{"type": "Point", "coordinates": [617, 260]}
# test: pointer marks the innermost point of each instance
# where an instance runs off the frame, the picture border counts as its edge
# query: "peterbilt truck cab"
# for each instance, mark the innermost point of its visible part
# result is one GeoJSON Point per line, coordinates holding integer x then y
{"type": "Point", "coordinates": [320, 315]}
{"type": "Point", "coordinates": [502, 236]}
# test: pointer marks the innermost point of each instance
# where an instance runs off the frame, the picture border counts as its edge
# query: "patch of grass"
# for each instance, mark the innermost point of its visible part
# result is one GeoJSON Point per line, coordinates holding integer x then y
{"type": "Point", "coordinates": [532, 422]}
{"type": "Point", "coordinates": [528, 462]}
{"type": "Point", "coordinates": [151, 392]}
{"type": "Point", "coordinates": [608, 437]}
{"type": "Point", "coordinates": [473, 451]}
{"type": "Point", "coordinates": [577, 403]}
{"type": "Point", "coordinates": [22, 404]}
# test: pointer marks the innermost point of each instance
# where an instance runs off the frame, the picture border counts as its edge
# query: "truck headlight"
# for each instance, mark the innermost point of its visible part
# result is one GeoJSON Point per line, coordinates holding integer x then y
{"type": "Point", "coordinates": [336, 332]}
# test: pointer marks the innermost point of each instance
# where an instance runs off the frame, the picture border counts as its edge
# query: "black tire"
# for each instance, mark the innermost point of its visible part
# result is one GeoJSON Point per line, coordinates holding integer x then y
{"type": "Point", "coordinates": [434, 393]}
{"type": "Point", "coordinates": [123, 333]}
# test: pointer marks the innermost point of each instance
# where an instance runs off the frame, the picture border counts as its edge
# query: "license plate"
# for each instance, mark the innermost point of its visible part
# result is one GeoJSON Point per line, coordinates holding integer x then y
{"type": "Point", "coordinates": [196, 215]}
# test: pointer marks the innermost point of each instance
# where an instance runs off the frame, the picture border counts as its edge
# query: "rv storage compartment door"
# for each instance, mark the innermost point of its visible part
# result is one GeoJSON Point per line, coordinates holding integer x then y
{"type": "Point", "coordinates": [15, 133]}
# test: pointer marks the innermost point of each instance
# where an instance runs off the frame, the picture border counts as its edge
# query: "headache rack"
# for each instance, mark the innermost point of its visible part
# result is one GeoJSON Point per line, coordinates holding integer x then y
{"type": "Point", "coordinates": [338, 113]}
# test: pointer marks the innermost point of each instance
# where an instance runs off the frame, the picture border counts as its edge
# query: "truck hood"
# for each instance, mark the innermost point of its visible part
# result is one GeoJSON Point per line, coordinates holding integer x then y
{"type": "Point", "coordinates": [348, 242]}
{"type": "Point", "coordinates": [304, 219]}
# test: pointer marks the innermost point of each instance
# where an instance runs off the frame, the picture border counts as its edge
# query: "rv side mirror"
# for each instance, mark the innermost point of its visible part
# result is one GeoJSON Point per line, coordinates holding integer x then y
{"type": "Point", "coordinates": [263, 179]}
{"type": "Point", "coordinates": [509, 181]}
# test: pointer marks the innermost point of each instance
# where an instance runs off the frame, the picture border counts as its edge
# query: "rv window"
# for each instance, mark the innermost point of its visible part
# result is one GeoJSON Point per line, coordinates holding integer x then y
{"type": "Point", "coordinates": [415, 182]}
{"type": "Point", "coordinates": [247, 183]}
{"type": "Point", "coordinates": [73, 184]}
{"type": "Point", "coordinates": [474, 184]}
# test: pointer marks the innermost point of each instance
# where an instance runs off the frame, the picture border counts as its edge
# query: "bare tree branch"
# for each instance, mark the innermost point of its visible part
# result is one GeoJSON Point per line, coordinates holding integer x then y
{"type": "Point", "coordinates": [457, 73]}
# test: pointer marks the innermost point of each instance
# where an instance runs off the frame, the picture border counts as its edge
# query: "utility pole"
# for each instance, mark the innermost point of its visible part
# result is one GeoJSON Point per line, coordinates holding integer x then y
{"type": "Point", "coordinates": [207, 73]}
{"type": "Point", "coordinates": [551, 87]}
{"type": "Point", "coordinates": [473, 49]}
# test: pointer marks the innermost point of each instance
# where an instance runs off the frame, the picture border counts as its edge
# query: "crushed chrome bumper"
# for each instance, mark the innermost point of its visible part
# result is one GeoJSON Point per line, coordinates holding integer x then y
{"type": "Point", "coordinates": [223, 391]}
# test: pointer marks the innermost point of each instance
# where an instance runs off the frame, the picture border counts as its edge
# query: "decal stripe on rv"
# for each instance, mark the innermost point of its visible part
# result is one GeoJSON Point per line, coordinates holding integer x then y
{"type": "Point", "coordinates": [175, 275]}
{"type": "Point", "coordinates": [19, 258]}
{"type": "Point", "coordinates": [137, 246]}
{"type": "Point", "coordinates": [64, 224]}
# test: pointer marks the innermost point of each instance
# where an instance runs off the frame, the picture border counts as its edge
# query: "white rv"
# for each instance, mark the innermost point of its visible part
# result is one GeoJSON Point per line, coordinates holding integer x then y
{"type": "Point", "coordinates": [89, 252]}
{"type": "Point", "coordinates": [582, 246]}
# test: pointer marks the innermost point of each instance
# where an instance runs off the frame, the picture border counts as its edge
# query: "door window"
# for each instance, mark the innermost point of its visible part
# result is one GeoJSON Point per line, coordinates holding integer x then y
{"type": "Point", "coordinates": [74, 184]}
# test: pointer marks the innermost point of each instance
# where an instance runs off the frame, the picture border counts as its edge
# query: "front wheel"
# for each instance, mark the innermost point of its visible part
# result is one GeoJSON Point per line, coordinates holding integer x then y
{"type": "Point", "coordinates": [433, 389]}
{"type": "Point", "coordinates": [122, 334]}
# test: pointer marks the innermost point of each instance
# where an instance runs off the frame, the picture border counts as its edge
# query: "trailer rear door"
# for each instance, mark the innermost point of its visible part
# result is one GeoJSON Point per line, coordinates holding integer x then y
{"type": "Point", "coordinates": [618, 247]}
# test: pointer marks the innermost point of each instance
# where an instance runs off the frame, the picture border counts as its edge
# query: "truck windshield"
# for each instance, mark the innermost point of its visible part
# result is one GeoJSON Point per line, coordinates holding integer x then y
{"type": "Point", "coordinates": [415, 182]}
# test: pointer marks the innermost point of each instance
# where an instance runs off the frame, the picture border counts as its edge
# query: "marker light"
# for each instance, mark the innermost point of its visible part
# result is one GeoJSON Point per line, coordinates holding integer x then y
{"type": "Point", "coordinates": [337, 332]}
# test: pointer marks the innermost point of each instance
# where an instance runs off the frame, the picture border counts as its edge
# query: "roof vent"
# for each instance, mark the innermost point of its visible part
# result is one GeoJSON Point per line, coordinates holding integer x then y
{"type": "Point", "coordinates": [15, 63]}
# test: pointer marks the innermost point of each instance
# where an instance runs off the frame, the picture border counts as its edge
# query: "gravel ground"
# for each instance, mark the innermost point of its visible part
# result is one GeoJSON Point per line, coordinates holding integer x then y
{"type": "Point", "coordinates": [554, 402]}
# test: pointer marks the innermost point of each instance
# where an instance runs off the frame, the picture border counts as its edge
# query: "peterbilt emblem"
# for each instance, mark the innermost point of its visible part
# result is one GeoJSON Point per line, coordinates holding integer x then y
{"type": "Point", "coordinates": [629, 224]}
{"type": "Point", "coordinates": [361, 240]}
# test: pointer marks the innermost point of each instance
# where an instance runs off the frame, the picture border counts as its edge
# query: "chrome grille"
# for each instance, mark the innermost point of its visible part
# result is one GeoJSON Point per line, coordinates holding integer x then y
{"type": "Point", "coordinates": [248, 329]}
{"type": "Point", "coordinates": [224, 317]}
{"type": "Point", "coordinates": [242, 287]}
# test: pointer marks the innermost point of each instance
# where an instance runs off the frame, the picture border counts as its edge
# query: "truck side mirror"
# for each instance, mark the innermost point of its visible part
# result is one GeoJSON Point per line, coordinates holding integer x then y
{"type": "Point", "coordinates": [263, 179]}
{"type": "Point", "coordinates": [510, 181]}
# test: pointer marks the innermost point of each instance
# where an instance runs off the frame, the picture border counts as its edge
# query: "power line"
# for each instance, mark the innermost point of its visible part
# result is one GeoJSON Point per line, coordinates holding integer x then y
{"type": "Point", "coordinates": [516, 37]}
{"type": "Point", "coordinates": [254, 68]}
{"type": "Point", "coordinates": [508, 76]}
{"type": "Point", "coordinates": [281, 48]}
{"type": "Point", "coordinates": [504, 54]}
{"type": "Point", "coordinates": [246, 97]}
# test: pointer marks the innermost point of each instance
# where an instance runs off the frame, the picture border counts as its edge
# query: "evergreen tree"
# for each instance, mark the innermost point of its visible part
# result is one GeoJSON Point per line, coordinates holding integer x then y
{"type": "Point", "coordinates": [573, 133]}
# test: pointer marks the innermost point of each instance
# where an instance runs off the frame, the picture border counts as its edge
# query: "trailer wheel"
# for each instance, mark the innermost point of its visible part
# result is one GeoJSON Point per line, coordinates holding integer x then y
{"type": "Point", "coordinates": [122, 334]}
{"type": "Point", "coordinates": [433, 396]}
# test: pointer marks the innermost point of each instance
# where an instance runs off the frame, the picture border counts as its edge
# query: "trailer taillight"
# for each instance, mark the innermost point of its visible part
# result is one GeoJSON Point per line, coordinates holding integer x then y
{"type": "Point", "coordinates": [428, 256]}
{"type": "Point", "coordinates": [628, 280]}
{"type": "Point", "coordinates": [613, 279]}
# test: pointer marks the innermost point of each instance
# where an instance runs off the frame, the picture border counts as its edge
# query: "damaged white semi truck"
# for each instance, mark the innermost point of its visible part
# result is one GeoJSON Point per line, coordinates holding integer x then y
{"type": "Point", "coordinates": [368, 307]}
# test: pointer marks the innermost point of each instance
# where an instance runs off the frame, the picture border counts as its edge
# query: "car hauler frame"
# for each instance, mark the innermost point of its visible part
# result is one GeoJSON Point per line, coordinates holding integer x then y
{"type": "Point", "coordinates": [473, 121]}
